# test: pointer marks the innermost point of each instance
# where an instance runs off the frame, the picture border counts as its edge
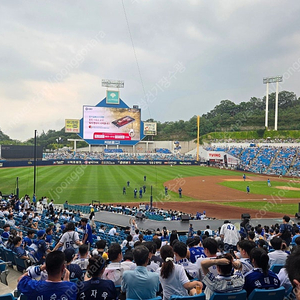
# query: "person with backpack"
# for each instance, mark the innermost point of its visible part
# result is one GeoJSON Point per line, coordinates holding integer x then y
{"type": "Point", "coordinates": [69, 239]}
{"type": "Point", "coordinates": [286, 230]}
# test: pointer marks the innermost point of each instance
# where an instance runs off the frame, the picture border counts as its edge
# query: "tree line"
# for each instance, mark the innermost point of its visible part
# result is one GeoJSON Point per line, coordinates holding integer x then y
{"type": "Point", "coordinates": [226, 116]}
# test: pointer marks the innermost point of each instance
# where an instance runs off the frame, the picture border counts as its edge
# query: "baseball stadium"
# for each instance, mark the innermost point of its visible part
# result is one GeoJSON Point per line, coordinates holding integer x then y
{"type": "Point", "coordinates": [124, 198]}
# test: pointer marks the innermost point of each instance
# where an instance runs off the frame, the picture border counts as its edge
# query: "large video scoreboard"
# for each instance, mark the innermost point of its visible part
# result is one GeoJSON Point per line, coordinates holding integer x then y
{"type": "Point", "coordinates": [109, 124]}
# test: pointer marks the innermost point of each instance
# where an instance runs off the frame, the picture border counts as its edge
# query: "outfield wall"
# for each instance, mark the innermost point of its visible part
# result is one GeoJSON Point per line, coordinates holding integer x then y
{"type": "Point", "coordinates": [7, 164]}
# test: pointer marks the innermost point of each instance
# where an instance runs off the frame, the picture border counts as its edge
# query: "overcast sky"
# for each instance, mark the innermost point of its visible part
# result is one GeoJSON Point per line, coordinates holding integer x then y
{"type": "Point", "coordinates": [188, 55]}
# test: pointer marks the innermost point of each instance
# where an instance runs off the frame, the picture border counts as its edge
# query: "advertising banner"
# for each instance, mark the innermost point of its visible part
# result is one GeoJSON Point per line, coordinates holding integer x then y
{"type": "Point", "coordinates": [110, 123]}
{"type": "Point", "coordinates": [72, 126]}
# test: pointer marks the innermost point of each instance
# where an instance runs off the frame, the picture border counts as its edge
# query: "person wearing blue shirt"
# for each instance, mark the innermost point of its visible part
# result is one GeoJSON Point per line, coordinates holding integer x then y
{"type": "Point", "coordinates": [6, 232]}
{"type": "Point", "coordinates": [286, 230]}
{"type": "Point", "coordinates": [139, 283]}
{"type": "Point", "coordinates": [88, 236]}
{"type": "Point", "coordinates": [141, 192]}
{"type": "Point", "coordinates": [54, 287]}
{"type": "Point", "coordinates": [97, 288]}
{"type": "Point", "coordinates": [195, 250]}
{"type": "Point", "coordinates": [49, 235]}
{"type": "Point", "coordinates": [260, 277]}
{"type": "Point", "coordinates": [43, 249]}
{"type": "Point", "coordinates": [18, 248]}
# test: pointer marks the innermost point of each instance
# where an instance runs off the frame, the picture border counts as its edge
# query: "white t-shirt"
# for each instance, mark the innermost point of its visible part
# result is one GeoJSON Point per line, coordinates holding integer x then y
{"type": "Point", "coordinates": [231, 235]}
{"type": "Point", "coordinates": [128, 265]}
{"type": "Point", "coordinates": [173, 285]}
{"type": "Point", "coordinates": [69, 239]}
{"type": "Point", "coordinates": [112, 231]}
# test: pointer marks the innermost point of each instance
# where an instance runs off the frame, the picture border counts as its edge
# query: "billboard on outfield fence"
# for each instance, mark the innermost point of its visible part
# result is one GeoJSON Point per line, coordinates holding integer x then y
{"type": "Point", "coordinates": [72, 126]}
{"type": "Point", "coordinates": [111, 123]}
{"type": "Point", "coordinates": [150, 128]}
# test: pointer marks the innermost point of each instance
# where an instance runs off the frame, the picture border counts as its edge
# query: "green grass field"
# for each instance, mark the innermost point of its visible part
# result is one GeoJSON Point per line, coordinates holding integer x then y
{"type": "Point", "coordinates": [104, 183]}
{"type": "Point", "coordinates": [261, 187]}
{"type": "Point", "coordinates": [82, 184]}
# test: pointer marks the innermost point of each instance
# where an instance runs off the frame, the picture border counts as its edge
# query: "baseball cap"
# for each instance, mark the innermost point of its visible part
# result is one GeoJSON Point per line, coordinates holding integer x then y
{"type": "Point", "coordinates": [69, 254]}
{"type": "Point", "coordinates": [51, 224]}
{"type": "Point", "coordinates": [40, 233]}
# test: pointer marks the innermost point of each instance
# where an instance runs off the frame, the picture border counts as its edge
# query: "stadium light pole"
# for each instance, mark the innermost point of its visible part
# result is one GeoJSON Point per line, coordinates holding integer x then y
{"type": "Point", "coordinates": [198, 134]}
{"type": "Point", "coordinates": [267, 106]}
{"type": "Point", "coordinates": [268, 80]}
{"type": "Point", "coordinates": [34, 164]}
{"type": "Point", "coordinates": [151, 198]}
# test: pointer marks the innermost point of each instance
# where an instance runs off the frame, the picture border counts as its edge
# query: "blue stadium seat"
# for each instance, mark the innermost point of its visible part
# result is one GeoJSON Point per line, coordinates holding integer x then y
{"type": "Point", "coordinates": [7, 297]}
{"type": "Point", "coordinates": [156, 298]}
{"type": "Point", "coordinates": [242, 295]}
{"type": "Point", "coordinates": [276, 268]}
{"type": "Point", "coordinates": [272, 294]}
{"type": "Point", "coordinates": [195, 297]}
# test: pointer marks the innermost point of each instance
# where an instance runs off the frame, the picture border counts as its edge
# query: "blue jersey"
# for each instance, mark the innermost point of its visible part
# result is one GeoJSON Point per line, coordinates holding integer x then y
{"type": "Point", "coordinates": [88, 231]}
{"type": "Point", "coordinates": [256, 279]}
{"type": "Point", "coordinates": [20, 251]}
{"type": "Point", "coordinates": [42, 248]}
{"type": "Point", "coordinates": [97, 288]}
{"type": "Point", "coordinates": [27, 240]}
{"type": "Point", "coordinates": [45, 290]}
{"type": "Point", "coordinates": [195, 253]}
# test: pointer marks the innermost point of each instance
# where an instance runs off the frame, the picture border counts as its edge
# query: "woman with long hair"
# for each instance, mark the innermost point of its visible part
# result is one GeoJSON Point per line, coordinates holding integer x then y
{"type": "Point", "coordinates": [260, 277]}
{"type": "Point", "coordinates": [173, 278]}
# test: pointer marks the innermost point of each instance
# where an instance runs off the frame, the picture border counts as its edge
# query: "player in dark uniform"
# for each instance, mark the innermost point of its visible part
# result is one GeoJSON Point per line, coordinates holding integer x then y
{"type": "Point", "coordinates": [141, 192]}
{"type": "Point", "coordinates": [144, 189]}
{"type": "Point", "coordinates": [128, 183]}
{"type": "Point", "coordinates": [145, 177]}
{"type": "Point", "coordinates": [124, 190]}
{"type": "Point", "coordinates": [135, 192]}
{"type": "Point", "coordinates": [166, 191]}
{"type": "Point", "coordinates": [180, 192]}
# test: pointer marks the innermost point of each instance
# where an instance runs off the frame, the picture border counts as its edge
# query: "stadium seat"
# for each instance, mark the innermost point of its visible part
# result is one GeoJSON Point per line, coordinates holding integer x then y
{"type": "Point", "coordinates": [276, 268]}
{"type": "Point", "coordinates": [195, 297]}
{"type": "Point", "coordinates": [272, 294]}
{"type": "Point", "coordinates": [21, 264]}
{"type": "Point", "coordinates": [242, 295]}
{"type": "Point", "coordinates": [3, 272]}
{"type": "Point", "coordinates": [156, 298]}
{"type": "Point", "coordinates": [7, 297]}
{"type": "Point", "coordinates": [289, 294]}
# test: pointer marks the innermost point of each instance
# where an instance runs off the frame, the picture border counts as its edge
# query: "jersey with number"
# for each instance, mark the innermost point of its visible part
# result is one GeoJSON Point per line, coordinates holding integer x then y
{"type": "Point", "coordinates": [256, 279]}
{"type": "Point", "coordinates": [212, 269]}
{"type": "Point", "coordinates": [195, 253]}
{"type": "Point", "coordinates": [190, 268]}
{"type": "Point", "coordinates": [45, 290]}
{"type": "Point", "coordinates": [223, 284]}
{"type": "Point", "coordinates": [69, 239]}
{"type": "Point", "coordinates": [97, 289]}
{"type": "Point", "coordinates": [231, 235]}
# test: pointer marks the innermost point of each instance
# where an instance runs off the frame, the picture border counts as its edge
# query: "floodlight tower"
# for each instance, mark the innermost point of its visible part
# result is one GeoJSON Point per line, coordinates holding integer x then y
{"type": "Point", "coordinates": [268, 80]}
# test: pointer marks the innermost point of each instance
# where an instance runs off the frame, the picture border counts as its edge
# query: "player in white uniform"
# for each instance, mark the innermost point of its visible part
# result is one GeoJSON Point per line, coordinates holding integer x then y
{"type": "Point", "coordinates": [230, 236]}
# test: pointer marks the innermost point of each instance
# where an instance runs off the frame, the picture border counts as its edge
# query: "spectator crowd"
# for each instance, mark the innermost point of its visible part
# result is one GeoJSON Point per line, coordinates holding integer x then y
{"type": "Point", "coordinates": [67, 255]}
